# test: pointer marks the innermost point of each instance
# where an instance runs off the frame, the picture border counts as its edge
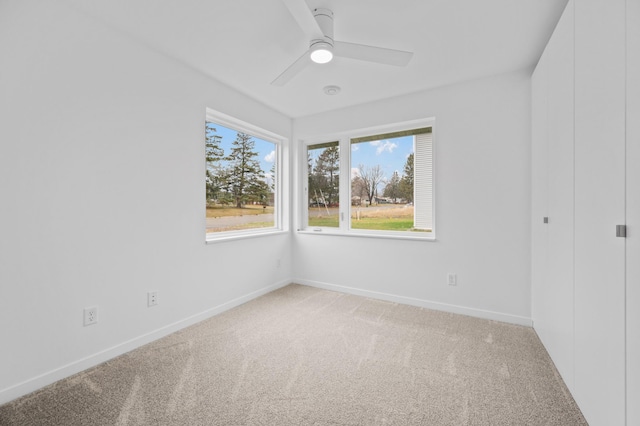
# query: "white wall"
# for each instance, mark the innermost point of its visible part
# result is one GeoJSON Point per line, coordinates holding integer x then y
{"type": "Point", "coordinates": [102, 184]}
{"type": "Point", "coordinates": [482, 199]}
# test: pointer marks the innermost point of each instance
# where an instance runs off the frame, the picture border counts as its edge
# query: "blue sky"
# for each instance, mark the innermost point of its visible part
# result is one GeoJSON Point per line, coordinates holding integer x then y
{"type": "Point", "coordinates": [390, 154]}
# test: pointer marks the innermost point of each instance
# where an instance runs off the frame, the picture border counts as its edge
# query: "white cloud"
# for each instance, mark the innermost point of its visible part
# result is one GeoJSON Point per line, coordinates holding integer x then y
{"type": "Point", "coordinates": [384, 146]}
{"type": "Point", "coordinates": [270, 157]}
{"type": "Point", "coordinates": [355, 172]}
{"type": "Point", "coordinates": [355, 147]}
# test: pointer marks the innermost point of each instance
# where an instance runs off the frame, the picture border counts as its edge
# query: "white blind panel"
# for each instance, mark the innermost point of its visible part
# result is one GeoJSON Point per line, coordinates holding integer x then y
{"type": "Point", "coordinates": [423, 181]}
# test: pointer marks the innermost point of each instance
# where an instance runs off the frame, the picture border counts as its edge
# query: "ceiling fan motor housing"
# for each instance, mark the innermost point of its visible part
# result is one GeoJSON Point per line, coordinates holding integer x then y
{"type": "Point", "coordinates": [324, 18]}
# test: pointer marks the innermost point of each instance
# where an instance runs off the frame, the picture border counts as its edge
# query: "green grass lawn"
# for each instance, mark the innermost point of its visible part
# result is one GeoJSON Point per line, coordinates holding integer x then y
{"type": "Point", "coordinates": [331, 221]}
{"type": "Point", "coordinates": [383, 223]}
{"type": "Point", "coordinates": [377, 223]}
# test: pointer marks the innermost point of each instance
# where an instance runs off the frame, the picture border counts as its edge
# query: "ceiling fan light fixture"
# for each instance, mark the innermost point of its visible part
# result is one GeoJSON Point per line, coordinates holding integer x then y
{"type": "Point", "coordinates": [321, 52]}
{"type": "Point", "coordinates": [318, 26]}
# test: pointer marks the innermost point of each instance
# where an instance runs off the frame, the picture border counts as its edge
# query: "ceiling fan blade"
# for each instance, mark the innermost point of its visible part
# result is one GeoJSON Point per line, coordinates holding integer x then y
{"type": "Point", "coordinates": [293, 70]}
{"type": "Point", "coordinates": [398, 58]}
{"type": "Point", "coordinates": [305, 19]}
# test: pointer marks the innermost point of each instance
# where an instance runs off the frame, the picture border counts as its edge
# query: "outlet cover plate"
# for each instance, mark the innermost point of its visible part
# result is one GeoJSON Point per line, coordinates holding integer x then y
{"type": "Point", "coordinates": [90, 315]}
{"type": "Point", "coordinates": [152, 298]}
{"type": "Point", "coordinates": [452, 279]}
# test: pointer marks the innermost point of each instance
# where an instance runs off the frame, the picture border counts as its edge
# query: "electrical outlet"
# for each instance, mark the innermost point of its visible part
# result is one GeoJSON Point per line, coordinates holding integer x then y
{"type": "Point", "coordinates": [452, 279]}
{"type": "Point", "coordinates": [152, 298]}
{"type": "Point", "coordinates": [90, 315]}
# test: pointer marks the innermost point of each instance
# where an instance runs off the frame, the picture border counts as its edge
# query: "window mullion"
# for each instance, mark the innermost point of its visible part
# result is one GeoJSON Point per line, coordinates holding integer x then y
{"type": "Point", "coordinates": [345, 183]}
{"type": "Point", "coordinates": [304, 205]}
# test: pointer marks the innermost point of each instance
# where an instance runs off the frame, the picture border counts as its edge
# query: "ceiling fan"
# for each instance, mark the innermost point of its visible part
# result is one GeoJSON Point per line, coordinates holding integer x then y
{"type": "Point", "coordinates": [318, 26]}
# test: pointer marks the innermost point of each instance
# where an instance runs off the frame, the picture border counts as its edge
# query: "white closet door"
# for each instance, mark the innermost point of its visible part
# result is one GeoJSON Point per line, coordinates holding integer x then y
{"type": "Point", "coordinates": [599, 384]}
{"type": "Point", "coordinates": [633, 212]}
{"type": "Point", "coordinates": [552, 153]}
{"type": "Point", "coordinates": [539, 197]}
{"type": "Point", "coordinates": [561, 195]}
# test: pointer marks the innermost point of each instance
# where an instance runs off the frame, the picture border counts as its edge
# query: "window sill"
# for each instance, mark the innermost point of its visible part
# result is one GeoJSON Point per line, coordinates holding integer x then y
{"type": "Point", "coordinates": [427, 236]}
{"type": "Point", "coordinates": [213, 237]}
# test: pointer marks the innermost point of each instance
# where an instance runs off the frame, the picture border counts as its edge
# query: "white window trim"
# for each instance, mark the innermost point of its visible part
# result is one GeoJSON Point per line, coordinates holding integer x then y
{"type": "Point", "coordinates": [344, 139]}
{"type": "Point", "coordinates": [278, 214]}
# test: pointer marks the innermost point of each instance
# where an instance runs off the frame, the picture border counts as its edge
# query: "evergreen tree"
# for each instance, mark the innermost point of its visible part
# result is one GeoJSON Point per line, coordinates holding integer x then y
{"type": "Point", "coordinates": [273, 177]}
{"type": "Point", "coordinates": [327, 174]}
{"type": "Point", "coordinates": [213, 154]}
{"type": "Point", "coordinates": [406, 183]}
{"type": "Point", "coordinates": [312, 187]}
{"type": "Point", "coordinates": [392, 189]}
{"type": "Point", "coordinates": [245, 181]}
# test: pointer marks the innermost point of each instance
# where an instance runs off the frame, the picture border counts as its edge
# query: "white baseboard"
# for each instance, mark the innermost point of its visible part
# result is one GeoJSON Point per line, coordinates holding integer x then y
{"type": "Point", "coordinates": [31, 385]}
{"type": "Point", "coordinates": [455, 309]}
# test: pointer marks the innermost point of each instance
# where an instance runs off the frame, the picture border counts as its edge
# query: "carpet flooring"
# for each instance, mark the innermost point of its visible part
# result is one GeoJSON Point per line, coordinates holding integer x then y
{"type": "Point", "coordinates": [305, 356]}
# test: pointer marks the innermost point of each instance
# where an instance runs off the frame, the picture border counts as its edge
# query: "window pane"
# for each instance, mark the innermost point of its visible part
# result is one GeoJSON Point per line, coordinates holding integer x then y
{"type": "Point", "coordinates": [323, 171]}
{"type": "Point", "coordinates": [241, 180]}
{"type": "Point", "coordinates": [391, 181]}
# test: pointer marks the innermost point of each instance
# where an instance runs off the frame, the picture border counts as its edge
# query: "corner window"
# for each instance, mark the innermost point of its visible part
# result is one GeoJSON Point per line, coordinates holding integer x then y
{"type": "Point", "coordinates": [383, 176]}
{"type": "Point", "coordinates": [242, 164]}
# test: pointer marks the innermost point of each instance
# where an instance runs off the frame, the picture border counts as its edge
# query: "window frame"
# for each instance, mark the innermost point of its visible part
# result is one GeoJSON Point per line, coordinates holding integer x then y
{"type": "Point", "coordinates": [279, 142]}
{"type": "Point", "coordinates": [305, 186]}
{"type": "Point", "coordinates": [344, 139]}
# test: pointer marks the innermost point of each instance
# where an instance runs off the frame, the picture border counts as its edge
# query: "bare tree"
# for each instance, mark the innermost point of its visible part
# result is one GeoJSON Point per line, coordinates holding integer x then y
{"type": "Point", "coordinates": [357, 188]}
{"type": "Point", "coordinates": [371, 177]}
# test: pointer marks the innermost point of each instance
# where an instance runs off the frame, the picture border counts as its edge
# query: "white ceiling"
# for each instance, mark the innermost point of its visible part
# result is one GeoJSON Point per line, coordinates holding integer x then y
{"type": "Point", "coordinates": [246, 44]}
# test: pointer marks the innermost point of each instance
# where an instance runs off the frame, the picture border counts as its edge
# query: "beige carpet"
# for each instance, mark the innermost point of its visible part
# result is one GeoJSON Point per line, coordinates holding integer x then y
{"type": "Point", "coordinates": [304, 356]}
